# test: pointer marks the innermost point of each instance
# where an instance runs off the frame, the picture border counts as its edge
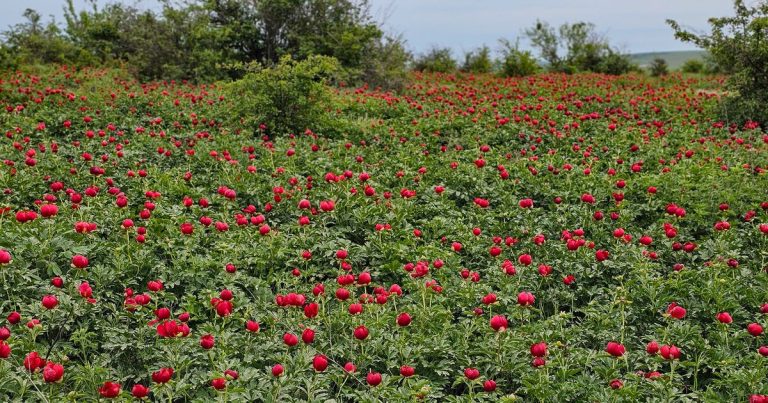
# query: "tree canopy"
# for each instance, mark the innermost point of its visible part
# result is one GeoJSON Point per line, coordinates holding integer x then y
{"type": "Point", "coordinates": [207, 39]}
{"type": "Point", "coordinates": [738, 45]}
{"type": "Point", "coordinates": [575, 47]}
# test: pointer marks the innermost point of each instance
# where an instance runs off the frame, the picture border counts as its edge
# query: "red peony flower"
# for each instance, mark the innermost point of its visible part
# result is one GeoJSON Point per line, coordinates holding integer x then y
{"type": "Point", "coordinates": [110, 390]}
{"type": "Point", "coordinates": [373, 379]}
{"type": "Point", "coordinates": [163, 375]}
{"type": "Point", "coordinates": [615, 349]}
{"type": "Point", "coordinates": [53, 372]}
{"type": "Point", "coordinates": [139, 391]}
{"type": "Point", "coordinates": [361, 332]}
{"type": "Point", "coordinates": [499, 323]}
{"type": "Point", "coordinates": [320, 363]}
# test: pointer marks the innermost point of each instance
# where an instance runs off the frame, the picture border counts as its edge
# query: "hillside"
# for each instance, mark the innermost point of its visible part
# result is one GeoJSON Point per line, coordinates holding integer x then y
{"type": "Point", "coordinates": [674, 59]}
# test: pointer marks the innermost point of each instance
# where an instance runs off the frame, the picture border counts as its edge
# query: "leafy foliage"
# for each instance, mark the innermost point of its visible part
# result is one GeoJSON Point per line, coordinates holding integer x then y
{"type": "Point", "coordinates": [288, 98]}
{"type": "Point", "coordinates": [515, 62]}
{"type": "Point", "coordinates": [693, 66]}
{"type": "Point", "coordinates": [585, 49]}
{"type": "Point", "coordinates": [658, 67]}
{"type": "Point", "coordinates": [478, 60]}
{"type": "Point", "coordinates": [212, 39]}
{"type": "Point", "coordinates": [738, 45]}
{"type": "Point", "coordinates": [32, 42]}
{"type": "Point", "coordinates": [436, 60]}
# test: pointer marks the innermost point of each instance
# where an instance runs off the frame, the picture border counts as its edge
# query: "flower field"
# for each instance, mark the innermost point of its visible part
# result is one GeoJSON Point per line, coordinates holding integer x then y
{"type": "Point", "coordinates": [549, 238]}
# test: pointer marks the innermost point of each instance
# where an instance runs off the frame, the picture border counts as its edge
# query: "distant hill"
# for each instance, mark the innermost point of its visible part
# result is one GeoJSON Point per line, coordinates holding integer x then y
{"type": "Point", "coordinates": [674, 59]}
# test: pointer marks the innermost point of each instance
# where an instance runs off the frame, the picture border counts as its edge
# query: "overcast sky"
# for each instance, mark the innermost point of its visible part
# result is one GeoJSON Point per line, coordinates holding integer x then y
{"type": "Point", "coordinates": [634, 26]}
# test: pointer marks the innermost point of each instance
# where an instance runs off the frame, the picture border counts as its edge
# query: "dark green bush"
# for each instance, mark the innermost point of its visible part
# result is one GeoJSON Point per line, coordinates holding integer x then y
{"type": "Point", "coordinates": [735, 108]}
{"type": "Point", "coordinates": [616, 63]}
{"type": "Point", "coordinates": [658, 67]}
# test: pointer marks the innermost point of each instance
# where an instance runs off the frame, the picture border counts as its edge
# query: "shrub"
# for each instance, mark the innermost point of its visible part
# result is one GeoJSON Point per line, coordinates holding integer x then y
{"type": "Point", "coordinates": [436, 60]}
{"type": "Point", "coordinates": [658, 67]}
{"type": "Point", "coordinates": [287, 98]}
{"type": "Point", "coordinates": [515, 62]}
{"type": "Point", "coordinates": [478, 61]}
{"type": "Point", "coordinates": [33, 42]}
{"type": "Point", "coordinates": [693, 66]}
{"type": "Point", "coordinates": [616, 63]}
{"type": "Point", "coordinates": [739, 46]}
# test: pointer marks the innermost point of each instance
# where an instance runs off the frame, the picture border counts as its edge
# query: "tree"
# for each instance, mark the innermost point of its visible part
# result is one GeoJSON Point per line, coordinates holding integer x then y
{"type": "Point", "coordinates": [387, 68]}
{"type": "Point", "coordinates": [739, 46]}
{"type": "Point", "coordinates": [343, 29]}
{"type": "Point", "coordinates": [585, 49]}
{"type": "Point", "coordinates": [213, 39]}
{"type": "Point", "coordinates": [544, 38]}
{"type": "Point", "coordinates": [32, 42]}
{"type": "Point", "coordinates": [658, 67]}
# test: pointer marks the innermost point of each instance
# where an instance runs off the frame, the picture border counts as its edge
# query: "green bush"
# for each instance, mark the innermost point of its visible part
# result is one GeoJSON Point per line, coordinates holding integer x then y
{"type": "Point", "coordinates": [739, 109]}
{"type": "Point", "coordinates": [33, 42]}
{"type": "Point", "coordinates": [515, 62]}
{"type": "Point", "coordinates": [288, 98]}
{"type": "Point", "coordinates": [693, 66]}
{"type": "Point", "coordinates": [437, 60]}
{"type": "Point", "coordinates": [658, 67]}
{"type": "Point", "coordinates": [616, 63]}
{"type": "Point", "coordinates": [478, 60]}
